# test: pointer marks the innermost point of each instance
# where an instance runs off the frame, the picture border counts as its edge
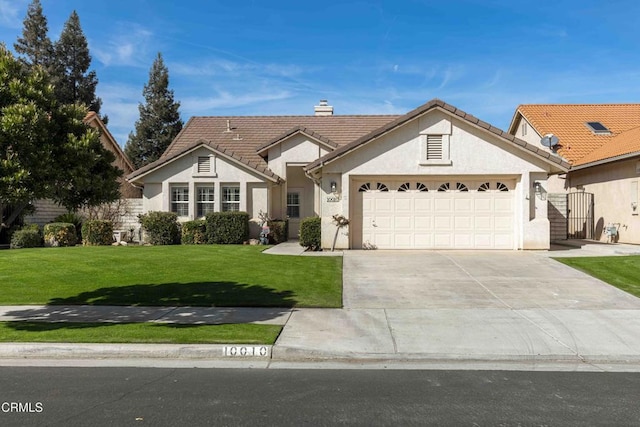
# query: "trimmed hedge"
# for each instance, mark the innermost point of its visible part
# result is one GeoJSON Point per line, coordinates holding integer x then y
{"type": "Point", "coordinates": [161, 227]}
{"type": "Point", "coordinates": [227, 228]}
{"type": "Point", "coordinates": [279, 231]}
{"type": "Point", "coordinates": [28, 236]}
{"type": "Point", "coordinates": [97, 232]}
{"type": "Point", "coordinates": [60, 234]}
{"type": "Point", "coordinates": [310, 233]}
{"type": "Point", "coordinates": [72, 218]}
{"type": "Point", "coordinates": [194, 232]}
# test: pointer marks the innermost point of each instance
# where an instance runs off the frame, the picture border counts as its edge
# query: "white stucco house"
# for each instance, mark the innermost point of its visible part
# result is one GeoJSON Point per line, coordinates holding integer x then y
{"type": "Point", "coordinates": [434, 178]}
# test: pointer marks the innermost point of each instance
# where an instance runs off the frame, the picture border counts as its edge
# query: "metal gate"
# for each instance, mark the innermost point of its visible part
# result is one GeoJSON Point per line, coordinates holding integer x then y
{"type": "Point", "coordinates": [580, 224]}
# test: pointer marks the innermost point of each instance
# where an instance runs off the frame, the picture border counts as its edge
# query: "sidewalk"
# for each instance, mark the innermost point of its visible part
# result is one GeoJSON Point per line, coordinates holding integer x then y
{"type": "Point", "coordinates": [400, 337]}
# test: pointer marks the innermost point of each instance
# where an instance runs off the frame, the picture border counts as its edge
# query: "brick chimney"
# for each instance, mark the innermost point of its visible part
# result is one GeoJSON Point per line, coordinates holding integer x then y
{"type": "Point", "coordinates": [323, 109]}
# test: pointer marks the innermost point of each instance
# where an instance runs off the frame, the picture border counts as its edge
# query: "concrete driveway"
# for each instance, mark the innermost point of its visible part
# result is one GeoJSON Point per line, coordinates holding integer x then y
{"type": "Point", "coordinates": [486, 308]}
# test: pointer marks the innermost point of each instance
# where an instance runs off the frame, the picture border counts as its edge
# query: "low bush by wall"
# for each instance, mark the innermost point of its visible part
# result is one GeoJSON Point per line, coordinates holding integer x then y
{"type": "Point", "coordinates": [310, 233]}
{"type": "Point", "coordinates": [27, 237]}
{"type": "Point", "coordinates": [60, 234]}
{"type": "Point", "coordinates": [161, 227]}
{"type": "Point", "coordinates": [194, 232]}
{"type": "Point", "coordinates": [227, 228]}
{"type": "Point", "coordinates": [279, 231]}
{"type": "Point", "coordinates": [97, 232]}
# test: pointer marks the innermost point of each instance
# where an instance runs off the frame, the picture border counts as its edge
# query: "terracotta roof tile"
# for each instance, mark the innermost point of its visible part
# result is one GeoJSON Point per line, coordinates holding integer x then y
{"type": "Point", "coordinates": [578, 143]}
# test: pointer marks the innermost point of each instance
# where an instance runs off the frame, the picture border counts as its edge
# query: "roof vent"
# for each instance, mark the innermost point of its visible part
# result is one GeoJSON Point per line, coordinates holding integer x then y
{"type": "Point", "coordinates": [598, 128]}
{"type": "Point", "coordinates": [237, 137]}
{"type": "Point", "coordinates": [228, 129]}
{"type": "Point", "coordinates": [323, 109]}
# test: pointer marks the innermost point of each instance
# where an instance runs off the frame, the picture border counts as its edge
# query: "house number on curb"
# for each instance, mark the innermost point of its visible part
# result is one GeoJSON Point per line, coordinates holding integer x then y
{"type": "Point", "coordinates": [246, 351]}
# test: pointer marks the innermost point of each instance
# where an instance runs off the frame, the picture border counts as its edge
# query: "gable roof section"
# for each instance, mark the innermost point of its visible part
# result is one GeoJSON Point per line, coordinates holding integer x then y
{"type": "Point", "coordinates": [450, 109]}
{"type": "Point", "coordinates": [92, 119]}
{"type": "Point", "coordinates": [222, 151]}
{"type": "Point", "coordinates": [578, 143]}
{"type": "Point", "coordinates": [296, 130]}
{"type": "Point", "coordinates": [243, 135]}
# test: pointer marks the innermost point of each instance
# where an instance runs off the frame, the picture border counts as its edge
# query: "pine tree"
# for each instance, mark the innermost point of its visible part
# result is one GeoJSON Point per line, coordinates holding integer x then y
{"type": "Point", "coordinates": [73, 84]}
{"type": "Point", "coordinates": [34, 45]}
{"type": "Point", "coordinates": [159, 119]}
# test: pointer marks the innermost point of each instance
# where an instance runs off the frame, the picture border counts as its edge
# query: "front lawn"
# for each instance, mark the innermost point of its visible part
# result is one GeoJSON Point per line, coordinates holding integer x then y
{"type": "Point", "coordinates": [138, 333]}
{"type": "Point", "coordinates": [623, 272]}
{"type": "Point", "coordinates": [203, 275]}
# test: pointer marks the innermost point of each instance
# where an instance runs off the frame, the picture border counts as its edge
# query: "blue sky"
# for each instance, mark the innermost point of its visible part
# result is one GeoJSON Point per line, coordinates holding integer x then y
{"type": "Point", "coordinates": [366, 57]}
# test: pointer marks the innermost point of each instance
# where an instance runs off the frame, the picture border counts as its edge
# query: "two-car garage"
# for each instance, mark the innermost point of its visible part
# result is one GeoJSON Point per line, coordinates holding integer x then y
{"type": "Point", "coordinates": [446, 213]}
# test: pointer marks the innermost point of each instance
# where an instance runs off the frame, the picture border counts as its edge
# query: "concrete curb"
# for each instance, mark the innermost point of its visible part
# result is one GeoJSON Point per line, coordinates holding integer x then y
{"type": "Point", "coordinates": [134, 351]}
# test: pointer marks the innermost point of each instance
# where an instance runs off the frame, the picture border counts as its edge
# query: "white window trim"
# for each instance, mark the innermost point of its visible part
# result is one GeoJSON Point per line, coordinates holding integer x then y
{"type": "Point", "coordinates": [300, 204]}
{"type": "Point", "coordinates": [198, 202]}
{"type": "Point", "coordinates": [446, 159]}
{"type": "Point", "coordinates": [223, 202]}
{"type": "Point", "coordinates": [184, 202]}
{"type": "Point", "coordinates": [212, 165]}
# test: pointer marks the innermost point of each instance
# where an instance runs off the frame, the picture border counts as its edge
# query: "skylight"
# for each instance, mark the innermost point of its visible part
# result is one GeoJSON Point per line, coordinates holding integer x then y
{"type": "Point", "coordinates": [598, 128]}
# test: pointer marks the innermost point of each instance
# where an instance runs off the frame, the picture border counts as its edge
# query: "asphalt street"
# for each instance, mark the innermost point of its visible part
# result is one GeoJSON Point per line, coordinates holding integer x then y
{"type": "Point", "coordinates": [237, 397]}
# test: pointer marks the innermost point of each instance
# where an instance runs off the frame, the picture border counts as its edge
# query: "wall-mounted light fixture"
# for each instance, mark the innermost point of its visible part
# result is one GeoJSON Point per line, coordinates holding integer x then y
{"type": "Point", "coordinates": [537, 187]}
{"type": "Point", "coordinates": [334, 186]}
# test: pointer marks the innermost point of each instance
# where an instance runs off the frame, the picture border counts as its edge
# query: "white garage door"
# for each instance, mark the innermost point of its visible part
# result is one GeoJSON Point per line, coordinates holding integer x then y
{"type": "Point", "coordinates": [447, 214]}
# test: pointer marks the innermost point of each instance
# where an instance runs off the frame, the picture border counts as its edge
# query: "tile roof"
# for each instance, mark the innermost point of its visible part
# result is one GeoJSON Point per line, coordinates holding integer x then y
{"type": "Point", "coordinates": [245, 135]}
{"type": "Point", "coordinates": [436, 103]}
{"type": "Point", "coordinates": [577, 143]}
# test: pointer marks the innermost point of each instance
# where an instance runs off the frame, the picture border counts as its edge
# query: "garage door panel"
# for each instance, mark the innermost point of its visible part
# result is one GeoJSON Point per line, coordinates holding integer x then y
{"type": "Point", "coordinates": [446, 220]}
{"type": "Point", "coordinates": [423, 204]}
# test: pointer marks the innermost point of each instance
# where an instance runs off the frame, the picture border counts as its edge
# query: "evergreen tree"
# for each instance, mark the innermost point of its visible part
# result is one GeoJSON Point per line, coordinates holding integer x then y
{"type": "Point", "coordinates": [46, 150]}
{"type": "Point", "coordinates": [73, 84]}
{"type": "Point", "coordinates": [34, 45]}
{"type": "Point", "coordinates": [159, 119]}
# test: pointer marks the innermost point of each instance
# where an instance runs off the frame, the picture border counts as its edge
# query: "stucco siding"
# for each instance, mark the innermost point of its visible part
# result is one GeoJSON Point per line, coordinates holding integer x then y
{"type": "Point", "coordinates": [615, 188]}
{"type": "Point", "coordinates": [473, 153]}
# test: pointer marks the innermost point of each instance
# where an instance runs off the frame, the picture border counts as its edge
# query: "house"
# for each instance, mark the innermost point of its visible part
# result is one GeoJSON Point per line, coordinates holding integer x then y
{"type": "Point", "coordinates": [46, 210]}
{"type": "Point", "coordinates": [602, 144]}
{"type": "Point", "coordinates": [435, 177]}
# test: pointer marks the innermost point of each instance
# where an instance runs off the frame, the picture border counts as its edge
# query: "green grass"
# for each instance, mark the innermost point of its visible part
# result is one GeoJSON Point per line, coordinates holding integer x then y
{"type": "Point", "coordinates": [203, 275]}
{"type": "Point", "coordinates": [132, 333]}
{"type": "Point", "coordinates": [623, 272]}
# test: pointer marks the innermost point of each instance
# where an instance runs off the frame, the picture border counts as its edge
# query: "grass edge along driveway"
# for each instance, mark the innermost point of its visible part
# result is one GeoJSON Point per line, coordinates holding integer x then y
{"type": "Point", "coordinates": [623, 272]}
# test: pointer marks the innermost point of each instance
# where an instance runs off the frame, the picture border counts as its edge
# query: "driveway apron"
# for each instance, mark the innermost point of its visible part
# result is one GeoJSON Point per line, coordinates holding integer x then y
{"type": "Point", "coordinates": [467, 305]}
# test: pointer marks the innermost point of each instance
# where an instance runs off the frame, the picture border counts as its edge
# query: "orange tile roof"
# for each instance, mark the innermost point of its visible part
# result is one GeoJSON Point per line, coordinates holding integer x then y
{"type": "Point", "coordinates": [578, 144]}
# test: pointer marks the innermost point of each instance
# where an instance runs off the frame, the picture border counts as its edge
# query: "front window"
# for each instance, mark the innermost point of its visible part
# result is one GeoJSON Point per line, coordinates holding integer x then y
{"type": "Point", "coordinates": [180, 200]}
{"type": "Point", "coordinates": [230, 199]}
{"type": "Point", "coordinates": [206, 200]}
{"type": "Point", "coordinates": [293, 205]}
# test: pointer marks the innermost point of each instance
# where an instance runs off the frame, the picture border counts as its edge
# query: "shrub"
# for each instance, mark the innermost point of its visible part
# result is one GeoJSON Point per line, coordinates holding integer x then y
{"type": "Point", "coordinates": [60, 234]}
{"type": "Point", "coordinates": [97, 232]}
{"type": "Point", "coordinates": [161, 227]}
{"type": "Point", "coordinates": [279, 231]}
{"type": "Point", "coordinates": [227, 227]}
{"type": "Point", "coordinates": [194, 232]}
{"type": "Point", "coordinates": [310, 233]}
{"type": "Point", "coordinates": [28, 236]}
{"type": "Point", "coordinates": [72, 218]}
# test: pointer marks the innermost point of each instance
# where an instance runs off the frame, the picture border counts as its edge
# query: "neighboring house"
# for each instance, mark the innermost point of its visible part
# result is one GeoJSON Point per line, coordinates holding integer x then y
{"type": "Point", "coordinates": [435, 177]}
{"type": "Point", "coordinates": [47, 210]}
{"type": "Point", "coordinates": [602, 144]}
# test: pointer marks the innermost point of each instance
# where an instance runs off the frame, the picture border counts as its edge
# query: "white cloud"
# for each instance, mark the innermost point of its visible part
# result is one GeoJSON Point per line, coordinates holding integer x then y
{"type": "Point", "coordinates": [12, 13]}
{"type": "Point", "coordinates": [120, 103]}
{"type": "Point", "coordinates": [229, 100]}
{"type": "Point", "coordinates": [127, 47]}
